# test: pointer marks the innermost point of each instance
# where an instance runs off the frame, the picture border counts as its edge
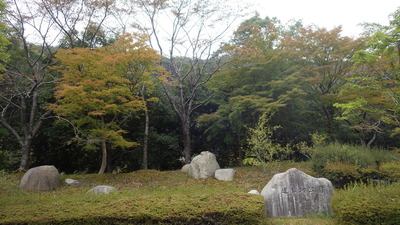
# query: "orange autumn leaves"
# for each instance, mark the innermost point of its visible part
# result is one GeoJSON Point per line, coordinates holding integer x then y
{"type": "Point", "coordinates": [99, 87]}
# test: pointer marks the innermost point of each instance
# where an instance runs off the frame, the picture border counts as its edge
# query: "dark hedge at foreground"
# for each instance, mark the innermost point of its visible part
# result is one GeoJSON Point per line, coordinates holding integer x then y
{"type": "Point", "coordinates": [179, 209]}
{"type": "Point", "coordinates": [145, 197]}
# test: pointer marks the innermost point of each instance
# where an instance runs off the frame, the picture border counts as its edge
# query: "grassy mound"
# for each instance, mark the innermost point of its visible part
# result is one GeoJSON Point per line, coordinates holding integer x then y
{"type": "Point", "coordinates": [145, 197]}
{"type": "Point", "coordinates": [148, 197]}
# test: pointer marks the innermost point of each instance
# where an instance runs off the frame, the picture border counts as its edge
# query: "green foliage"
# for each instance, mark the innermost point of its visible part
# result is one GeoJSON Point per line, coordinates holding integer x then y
{"type": "Point", "coordinates": [261, 145]}
{"type": "Point", "coordinates": [343, 164]}
{"type": "Point", "coordinates": [4, 55]}
{"type": "Point", "coordinates": [355, 155]}
{"type": "Point", "coordinates": [371, 97]}
{"type": "Point", "coordinates": [342, 174]}
{"type": "Point", "coordinates": [391, 171]}
{"type": "Point", "coordinates": [367, 204]}
{"type": "Point", "coordinates": [317, 140]}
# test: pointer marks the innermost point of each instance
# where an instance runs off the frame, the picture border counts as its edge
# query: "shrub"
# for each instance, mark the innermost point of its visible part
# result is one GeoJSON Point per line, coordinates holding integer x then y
{"type": "Point", "coordinates": [343, 164]}
{"type": "Point", "coordinates": [356, 155]}
{"type": "Point", "coordinates": [341, 174]}
{"type": "Point", "coordinates": [261, 145]}
{"type": "Point", "coordinates": [391, 171]}
{"type": "Point", "coordinates": [367, 204]}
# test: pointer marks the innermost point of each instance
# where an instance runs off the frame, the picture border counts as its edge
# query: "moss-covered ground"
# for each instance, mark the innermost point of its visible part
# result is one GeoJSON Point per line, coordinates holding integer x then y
{"type": "Point", "coordinates": [148, 197]}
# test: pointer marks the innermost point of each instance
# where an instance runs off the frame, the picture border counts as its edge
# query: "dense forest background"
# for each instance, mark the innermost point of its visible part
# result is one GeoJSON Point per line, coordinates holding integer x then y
{"type": "Point", "coordinates": [116, 86]}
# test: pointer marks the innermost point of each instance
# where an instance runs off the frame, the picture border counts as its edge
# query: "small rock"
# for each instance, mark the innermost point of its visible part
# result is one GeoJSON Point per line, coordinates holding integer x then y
{"type": "Point", "coordinates": [225, 174]}
{"type": "Point", "coordinates": [185, 168]}
{"type": "Point", "coordinates": [102, 189]}
{"type": "Point", "coordinates": [71, 181]}
{"type": "Point", "coordinates": [254, 192]}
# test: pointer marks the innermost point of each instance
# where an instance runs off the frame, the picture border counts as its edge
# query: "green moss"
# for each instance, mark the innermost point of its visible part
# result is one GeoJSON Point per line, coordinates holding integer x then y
{"type": "Point", "coordinates": [146, 197]}
{"type": "Point", "coordinates": [157, 197]}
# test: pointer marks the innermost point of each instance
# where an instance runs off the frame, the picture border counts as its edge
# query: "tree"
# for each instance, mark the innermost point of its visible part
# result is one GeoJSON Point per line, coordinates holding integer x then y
{"type": "Point", "coordinates": [142, 73]}
{"type": "Point", "coordinates": [242, 92]}
{"type": "Point", "coordinates": [97, 90]}
{"type": "Point", "coordinates": [35, 27]}
{"type": "Point", "coordinates": [81, 22]}
{"type": "Point", "coordinates": [371, 97]}
{"type": "Point", "coordinates": [4, 56]}
{"type": "Point", "coordinates": [26, 81]}
{"type": "Point", "coordinates": [321, 63]}
{"type": "Point", "coordinates": [183, 32]}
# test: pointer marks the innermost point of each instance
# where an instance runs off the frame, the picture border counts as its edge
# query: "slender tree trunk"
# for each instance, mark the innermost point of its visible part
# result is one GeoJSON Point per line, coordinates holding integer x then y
{"type": "Point", "coordinates": [329, 121]}
{"type": "Point", "coordinates": [187, 151]}
{"type": "Point", "coordinates": [241, 153]}
{"type": "Point", "coordinates": [371, 140]}
{"type": "Point", "coordinates": [146, 134]}
{"type": "Point", "coordinates": [103, 157]}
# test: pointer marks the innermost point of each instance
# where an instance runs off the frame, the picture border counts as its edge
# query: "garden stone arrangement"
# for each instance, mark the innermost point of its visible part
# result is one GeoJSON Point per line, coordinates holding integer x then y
{"type": "Point", "coordinates": [296, 194]}
{"type": "Point", "coordinates": [41, 178]}
{"type": "Point", "coordinates": [203, 165]}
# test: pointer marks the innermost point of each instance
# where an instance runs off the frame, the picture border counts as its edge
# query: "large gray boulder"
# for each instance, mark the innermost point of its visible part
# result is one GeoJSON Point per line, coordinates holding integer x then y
{"type": "Point", "coordinates": [41, 178]}
{"type": "Point", "coordinates": [225, 174]}
{"type": "Point", "coordinates": [296, 194]}
{"type": "Point", "coordinates": [102, 189]}
{"type": "Point", "coordinates": [203, 165]}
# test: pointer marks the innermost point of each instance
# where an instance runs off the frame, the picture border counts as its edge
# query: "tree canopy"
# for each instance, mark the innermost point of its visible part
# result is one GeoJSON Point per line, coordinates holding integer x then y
{"type": "Point", "coordinates": [76, 86]}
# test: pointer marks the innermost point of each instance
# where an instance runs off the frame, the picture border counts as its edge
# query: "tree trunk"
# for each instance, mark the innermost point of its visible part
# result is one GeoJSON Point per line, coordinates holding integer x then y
{"type": "Point", "coordinates": [187, 151]}
{"type": "Point", "coordinates": [241, 153]}
{"type": "Point", "coordinates": [25, 157]}
{"type": "Point", "coordinates": [145, 137]}
{"type": "Point", "coordinates": [329, 121]}
{"type": "Point", "coordinates": [371, 140]}
{"type": "Point", "coordinates": [104, 157]}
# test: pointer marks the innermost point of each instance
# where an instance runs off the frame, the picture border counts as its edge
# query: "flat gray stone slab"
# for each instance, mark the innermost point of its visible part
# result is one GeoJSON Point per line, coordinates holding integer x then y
{"type": "Point", "coordinates": [296, 194]}
{"type": "Point", "coordinates": [102, 189]}
{"type": "Point", "coordinates": [225, 174]}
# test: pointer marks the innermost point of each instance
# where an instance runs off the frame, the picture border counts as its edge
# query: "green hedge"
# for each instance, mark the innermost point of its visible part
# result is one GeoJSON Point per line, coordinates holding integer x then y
{"type": "Point", "coordinates": [343, 164]}
{"type": "Point", "coordinates": [341, 174]}
{"type": "Point", "coordinates": [351, 154]}
{"type": "Point", "coordinates": [218, 208]}
{"type": "Point", "coordinates": [367, 204]}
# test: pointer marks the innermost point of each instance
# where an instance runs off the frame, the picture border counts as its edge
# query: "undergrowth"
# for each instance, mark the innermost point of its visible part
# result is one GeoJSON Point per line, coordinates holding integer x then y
{"type": "Point", "coordinates": [362, 203]}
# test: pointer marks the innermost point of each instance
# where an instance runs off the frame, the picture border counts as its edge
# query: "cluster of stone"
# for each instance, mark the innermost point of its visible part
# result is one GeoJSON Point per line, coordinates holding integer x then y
{"type": "Point", "coordinates": [46, 178]}
{"type": "Point", "coordinates": [205, 166]}
{"type": "Point", "coordinates": [289, 194]}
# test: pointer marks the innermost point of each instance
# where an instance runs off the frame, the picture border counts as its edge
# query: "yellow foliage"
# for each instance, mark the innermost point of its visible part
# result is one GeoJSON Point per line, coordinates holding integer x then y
{"type": "Point", "coordinates": [98, 86]}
